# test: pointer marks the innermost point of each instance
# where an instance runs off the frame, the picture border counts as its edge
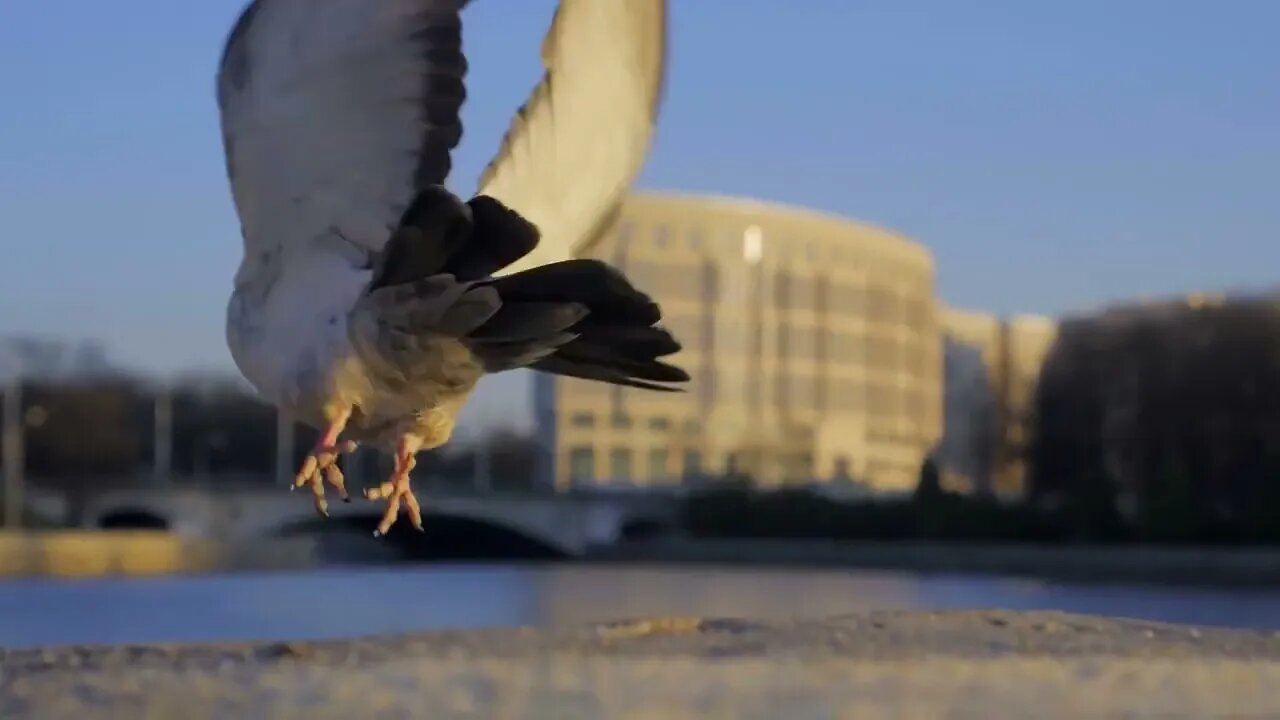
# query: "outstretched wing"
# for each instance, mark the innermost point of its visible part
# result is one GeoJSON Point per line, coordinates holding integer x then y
{"type": "Point", "coordinates": [334, 113]}
{"type": "Point", "coordinates": [577, 144]}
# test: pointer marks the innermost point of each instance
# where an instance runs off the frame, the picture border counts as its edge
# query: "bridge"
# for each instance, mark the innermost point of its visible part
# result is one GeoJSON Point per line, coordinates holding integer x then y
{"type": "Point", "coordinates": [566, 524]}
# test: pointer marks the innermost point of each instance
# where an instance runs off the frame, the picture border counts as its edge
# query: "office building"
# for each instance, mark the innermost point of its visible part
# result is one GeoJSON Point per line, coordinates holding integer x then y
{"type": "Point", "coordinates": [991, 368]}
{"type": "Point", "coordinates": [812, 340]}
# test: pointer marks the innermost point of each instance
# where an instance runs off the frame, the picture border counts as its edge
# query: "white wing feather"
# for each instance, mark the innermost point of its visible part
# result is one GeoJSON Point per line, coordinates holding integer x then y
{"type": "Point", "coordinates": [333, 113]}
{"type": "Point", "coordinates": [575, 148]}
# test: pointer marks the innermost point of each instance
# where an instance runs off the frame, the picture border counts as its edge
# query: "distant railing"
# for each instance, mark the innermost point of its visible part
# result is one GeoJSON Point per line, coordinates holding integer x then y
{"type": "Point", "coordinates": [86, 486]}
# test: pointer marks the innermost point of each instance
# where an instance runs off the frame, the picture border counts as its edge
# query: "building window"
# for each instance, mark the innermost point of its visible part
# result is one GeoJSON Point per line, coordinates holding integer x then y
{"type": "Point", "coordinates": [692, 426]}
{"type": "Point", "coordinates": [660, 235]}
{"type": "Point", "coordinates": [621, 421]}
{"type": "Point", "coordinates": [620, 465]}
{"type": "Point", "coordinates": [658, 463]}
{"type": "Point", "coordinates": [882, 401]}
{"type": "Point", "coordinates": [804, 467]}
{"type": "Point", "coordinates": [582, 465]}
{"type": "Point", "coordinates": [882, 305]}
{"type": "Point", "coordinates": [695, 240]}
{"type": "Point", "coordinates": [733, 463]}
{"type": "Point", "coordinates": [845, 396]}
{"type": "Point", "coordinates": [692, 463]}
{"type": "Point", "coordinates": [583, 419]}
{"type": "Point", "coordinates": [660, 424]}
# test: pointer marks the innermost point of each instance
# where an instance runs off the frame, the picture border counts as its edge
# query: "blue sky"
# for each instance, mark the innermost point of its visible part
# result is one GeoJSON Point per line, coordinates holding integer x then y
{"type": "Point", "coordinates": [1054, 155]}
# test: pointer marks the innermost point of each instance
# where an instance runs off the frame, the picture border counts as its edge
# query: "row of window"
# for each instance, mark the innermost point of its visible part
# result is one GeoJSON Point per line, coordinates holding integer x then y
{"type": "Point", "coordinates": [877, 401]}
{"type": "Point", "coordinates": [622, 421]}
{"type": "Point", "coordinates": [621, 465]}
{"type": "Point", "coordinates": [880, 472]}
{"type": "Point", "coordinates": [784, 466]}
{"type": "Point", "coordinates": [796, 392]}
{"type": "Point", "coordinates": [789, 291]}
{"type": "Point", "coordinates": [801, 341]}
{"type": "Point", "coordinates": [891, 434]}
{"type": "Point", "coordinates": [658, 468]}
{"type": "Point", "coordinates": [734, 241]}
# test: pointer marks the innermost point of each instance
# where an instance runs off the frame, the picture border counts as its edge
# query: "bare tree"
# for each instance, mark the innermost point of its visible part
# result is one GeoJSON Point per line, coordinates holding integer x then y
{"type": "Point", "coordinates": [1177, 405]}
{"type": "Point", "coordinates": [82, 429]}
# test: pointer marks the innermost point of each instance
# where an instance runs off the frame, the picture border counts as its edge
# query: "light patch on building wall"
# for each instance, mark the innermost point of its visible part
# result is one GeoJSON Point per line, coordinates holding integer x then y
{"type": "Point", "coordinates": [753, 244]}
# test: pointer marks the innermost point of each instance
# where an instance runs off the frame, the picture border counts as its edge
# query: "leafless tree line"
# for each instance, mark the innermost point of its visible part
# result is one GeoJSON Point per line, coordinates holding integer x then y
{"type": "Point", "coordinates": [103, 428]}
{"type": "Point", "coordinates": [1167, 415]}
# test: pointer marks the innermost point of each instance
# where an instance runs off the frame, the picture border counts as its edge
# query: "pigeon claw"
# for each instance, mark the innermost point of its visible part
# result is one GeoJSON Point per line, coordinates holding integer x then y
{"type": "Point", "coordinates": [396, 491]}
{"type": "Point", "coordinates": [322, 466]}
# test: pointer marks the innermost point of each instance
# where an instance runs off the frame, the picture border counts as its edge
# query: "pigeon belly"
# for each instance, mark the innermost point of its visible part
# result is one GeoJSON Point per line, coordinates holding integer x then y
{"type": "Point", "coordinates": [304, 350]}
{"type": "Point", "coordinates": [419, 394]}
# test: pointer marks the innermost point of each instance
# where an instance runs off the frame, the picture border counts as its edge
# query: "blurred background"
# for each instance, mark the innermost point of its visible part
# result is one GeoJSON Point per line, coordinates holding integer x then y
{"type": "Point", "coordinates": [980, 303]}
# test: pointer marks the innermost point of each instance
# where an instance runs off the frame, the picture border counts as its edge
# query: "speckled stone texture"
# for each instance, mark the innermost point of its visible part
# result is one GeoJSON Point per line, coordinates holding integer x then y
{"type": "Point", "coordinates": [872, 665]}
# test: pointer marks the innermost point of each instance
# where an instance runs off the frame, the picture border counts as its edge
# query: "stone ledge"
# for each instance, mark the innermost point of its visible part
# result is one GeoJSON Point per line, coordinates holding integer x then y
{"type": "Point", "coordinates": [885, 664]}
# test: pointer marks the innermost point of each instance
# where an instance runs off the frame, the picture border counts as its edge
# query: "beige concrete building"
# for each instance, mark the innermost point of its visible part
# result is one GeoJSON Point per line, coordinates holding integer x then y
{"type": "Point", "coordinates": [991, 369]}
{"type": "Point", "coordinates": [812, 340]}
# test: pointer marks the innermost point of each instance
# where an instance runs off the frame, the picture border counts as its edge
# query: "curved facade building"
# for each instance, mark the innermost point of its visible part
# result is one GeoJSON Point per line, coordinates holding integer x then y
{"type": "Point", "coordinates": [813, 342]}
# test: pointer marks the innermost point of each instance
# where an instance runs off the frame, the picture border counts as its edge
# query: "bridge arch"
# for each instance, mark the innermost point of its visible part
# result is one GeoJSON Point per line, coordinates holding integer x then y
{"type": "Point", "coordinates": [132, 518]}
{"type": "Point", "coordinates": [645, 527]}
{"type": "Point", "coordinates": [445, 536]}
{"type": "Point", "coordinates": [520, 525]}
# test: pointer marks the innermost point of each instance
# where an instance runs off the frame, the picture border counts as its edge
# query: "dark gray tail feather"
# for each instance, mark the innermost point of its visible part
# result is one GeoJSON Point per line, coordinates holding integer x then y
{"type": "Point", "coordinates": [578, 318]}
{"type": "Point", "coordinates": [582, 319]}
{"type": "Point", "coordinates": [439, 233]}
{"type": "Point", "coordinates": [499, 237]}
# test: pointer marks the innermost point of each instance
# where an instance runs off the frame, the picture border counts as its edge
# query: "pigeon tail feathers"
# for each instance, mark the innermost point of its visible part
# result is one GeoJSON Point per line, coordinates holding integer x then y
{"type": "Point", "coordinates": [591, 324]}
{"type": "Point", "coordinates": [578, 318]}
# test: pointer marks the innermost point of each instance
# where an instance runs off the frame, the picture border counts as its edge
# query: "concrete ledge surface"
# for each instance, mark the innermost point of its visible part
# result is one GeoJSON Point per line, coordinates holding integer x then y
{"type": "Point", "coordinates": [868, 665]}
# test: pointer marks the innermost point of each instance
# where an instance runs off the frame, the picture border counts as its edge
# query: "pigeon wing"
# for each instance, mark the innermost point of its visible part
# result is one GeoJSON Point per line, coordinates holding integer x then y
{"type": "Point", "coordinates": [334, 114]}
{"type": "Point", "coordinates": [575, 147]}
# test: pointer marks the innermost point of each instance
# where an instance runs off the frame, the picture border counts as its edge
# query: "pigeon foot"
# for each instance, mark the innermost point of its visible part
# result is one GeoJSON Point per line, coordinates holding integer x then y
{"type": "Point", "coordinates": [322, 465]}
{"type": "Point", "coordinates": [396, 490]}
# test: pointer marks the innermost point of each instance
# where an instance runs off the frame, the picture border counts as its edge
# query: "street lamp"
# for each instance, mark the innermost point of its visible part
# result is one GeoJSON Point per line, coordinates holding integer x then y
{"type": "Point", "coordinates": [162, 441]}
{"type": "Point", "coordinates": [11, 442]}
{"type": "Point", "coordinates": [206, 444]}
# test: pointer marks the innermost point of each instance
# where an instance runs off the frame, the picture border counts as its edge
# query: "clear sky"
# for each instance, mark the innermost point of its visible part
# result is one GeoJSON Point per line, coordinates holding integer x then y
{"type": "Point", "coordinates": [1054, 155]}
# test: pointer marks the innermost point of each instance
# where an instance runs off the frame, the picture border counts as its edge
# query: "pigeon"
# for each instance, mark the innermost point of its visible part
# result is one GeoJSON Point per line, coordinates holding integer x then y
{"type": "Point", "coordinates": [370, 299]}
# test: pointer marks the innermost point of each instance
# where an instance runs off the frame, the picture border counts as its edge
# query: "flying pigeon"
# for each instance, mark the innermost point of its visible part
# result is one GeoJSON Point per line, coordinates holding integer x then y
{"type": "Point", "coordinates": [370, 299]}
